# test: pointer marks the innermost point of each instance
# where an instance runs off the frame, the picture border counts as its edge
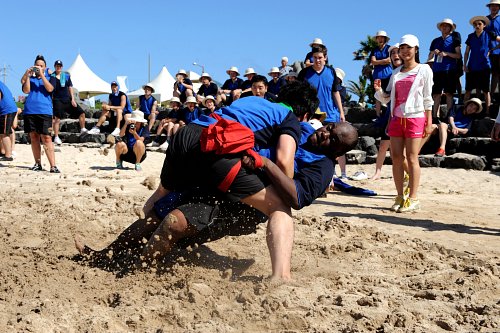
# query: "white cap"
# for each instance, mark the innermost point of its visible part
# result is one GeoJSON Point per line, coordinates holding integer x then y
{"type": "Point", "coordinates": [410, 40]}
{"type": "Point", "coordinates": [285, 59]}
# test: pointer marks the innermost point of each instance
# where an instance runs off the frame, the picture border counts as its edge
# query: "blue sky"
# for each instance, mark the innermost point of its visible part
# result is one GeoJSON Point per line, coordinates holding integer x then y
{"type": "Point", "coordinates": [116, 37]}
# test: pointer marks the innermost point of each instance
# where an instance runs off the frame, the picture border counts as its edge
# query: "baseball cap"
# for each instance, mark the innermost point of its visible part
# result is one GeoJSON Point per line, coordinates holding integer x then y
{"type": "Point", "coordinates": [114, 83]}
{"type": "Point", "coordinates": [409, 40]}
{"type": "Point", "coordinates": [58, 63]}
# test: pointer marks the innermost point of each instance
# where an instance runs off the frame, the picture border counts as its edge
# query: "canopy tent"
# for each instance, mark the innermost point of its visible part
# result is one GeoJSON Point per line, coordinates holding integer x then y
{"type": "Point", "coordinates": [86, 81]}
{"type": "Point", "coordinates": [195, 78]}
{"type": "Point", "coordinates": [122, 83]}
{"type": "Point", "coordinates": [163, 85]}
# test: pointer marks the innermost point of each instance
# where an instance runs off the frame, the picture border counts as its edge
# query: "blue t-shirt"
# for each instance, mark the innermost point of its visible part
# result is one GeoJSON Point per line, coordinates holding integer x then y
{"type": "Point", "coordinates": [381, 71]}
{"type": "Point", "coordinates": [61, 87]}
{"type": "Point", "coordinates": [7, 104]}
{"type": "Point", "coordinates": [479, 48]}
{"type": "Point", "coordinates": [230, 85]}
{"type": "Point", "coordinates": [39, 100]}
{"type": "Point", "coordinates": [211, 89]}
{"type": "Point", "coordinates": [313, 172]}
{"type": "Point", "coordinates": [494, 27]}
{"type": "Point", "coordinates": [116, 100]}
{"type": "Point", "coordinates": [460, 119]}
{"type": "Point", "coordinates": [447, 44]}
{"type": "Point", "coordinates": [274, 87]}
{"type": "Point", "coordinates": [142, 132]}
{"type": "Point", "coordinates": [325, 83]}
{"type": "Point", "coordinates": [188, 116]}
{"type": "Point", "coordinates": [181, 87]}
{"type": "Point", "coordinates": [146, 105]}
{"type": "Point", "coordinates": [267, 120]}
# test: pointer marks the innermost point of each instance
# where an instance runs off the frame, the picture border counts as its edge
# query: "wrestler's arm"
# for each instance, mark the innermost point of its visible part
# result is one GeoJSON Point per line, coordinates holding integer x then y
{"type": "Point", "coordinates": [285, 154]}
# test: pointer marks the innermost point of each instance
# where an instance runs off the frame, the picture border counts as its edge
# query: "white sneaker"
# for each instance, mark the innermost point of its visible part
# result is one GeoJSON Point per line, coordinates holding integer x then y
{"type": "Point", "coordinates": [116, 132]}
{"type": "Point", "coordinates": [155, 144]}
{"type": "Point", "coordinates": [57, 141]}
{"type": "Point", "coordinates": [164, 145]}
{"type": "Point", "coordinates": [94, 130]}
{"type": "Point", "coordinates": [83, 130]}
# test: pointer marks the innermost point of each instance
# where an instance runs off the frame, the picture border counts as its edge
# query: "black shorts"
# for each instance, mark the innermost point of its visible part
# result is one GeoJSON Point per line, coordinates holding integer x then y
{"type": "Point", "coordinates": [6, 122]}
{"type": "Point", "coordinates": [62, 109]}
{"type": "Point", "coordinates": [478, 80]}
{"type": "Point", "coordinates": [215, 219]}
{"type": "Point", "coordinates": [445, 81]}
{"type": "Point", "coordinates": [495, 64]}
{"type": "Point", "coordinates": [186, 166]}
{"type": "Point", "coordinates": [384, 83]}
{"type": "Point", "coordinates": [130, 156]}
{"type": "Point", "coordinates": [38, 123]}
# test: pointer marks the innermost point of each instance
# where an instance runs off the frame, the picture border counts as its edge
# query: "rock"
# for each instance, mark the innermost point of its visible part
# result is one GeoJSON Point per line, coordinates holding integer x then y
{"type": "Point", "coordinates": [475, 146]}
{"type": "Point", "coordinates": [430, 161]}
{"type": "Point", "coordinates": [482, 127]}
{"type": "Point", "coordinates": [369, 129]}
{"type": "Point", "coordinates": [96, 138]}
{"type": "Point", "coordinates": [359, 115]}
{"type": "Point", "coordinates": [365, 142]}
{"type": "Point", "coordinates": [355, 156]}
{"type": "Point", "coordinates": [464, 161]}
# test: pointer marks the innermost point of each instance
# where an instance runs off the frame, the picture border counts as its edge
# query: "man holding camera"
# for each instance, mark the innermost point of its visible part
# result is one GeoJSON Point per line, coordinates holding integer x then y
{"type": "Point", "coordinates": [132, 149]}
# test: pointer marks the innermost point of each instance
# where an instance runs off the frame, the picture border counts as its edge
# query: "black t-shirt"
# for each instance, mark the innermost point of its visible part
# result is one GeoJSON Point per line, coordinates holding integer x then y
{"type": "Point", "coordinates": [210, 90]}
{"type": "Point", "coordinates": [61, 93]}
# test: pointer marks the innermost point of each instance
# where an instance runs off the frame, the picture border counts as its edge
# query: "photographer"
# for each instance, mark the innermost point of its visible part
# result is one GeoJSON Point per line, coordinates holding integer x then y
{"type": "Point", "coordinates": [132, 149]}
{"type": "Point", "coordinates": [38, 112]}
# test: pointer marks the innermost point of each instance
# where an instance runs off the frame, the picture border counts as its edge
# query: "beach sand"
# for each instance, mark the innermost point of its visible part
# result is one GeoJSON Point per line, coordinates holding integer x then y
{"type": "Point", "coordinates": [357, 266]}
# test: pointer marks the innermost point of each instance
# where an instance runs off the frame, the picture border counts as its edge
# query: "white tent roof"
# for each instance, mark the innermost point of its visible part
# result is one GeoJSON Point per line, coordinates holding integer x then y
{"type": "Point", "coordinates": [163, 85]}
{"type": "Point", "coordinates": [85, 81]}
{"type": "Point", "coordinates": [122, 83]}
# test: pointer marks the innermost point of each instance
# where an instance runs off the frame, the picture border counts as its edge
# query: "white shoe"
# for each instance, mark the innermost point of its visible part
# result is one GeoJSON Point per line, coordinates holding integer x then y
{"type": "Point", "coordinates": [164, 145]}
{"type": "Point", "coordinates": [57, 140]}
{"type": "Point", "coordinates": [83, 130]}
{"type": "Point", "coordinates": [116, 132]}
{"type": "Point", "coordinates": [155, 144]}
{"type": "Point", "coordinates": [94, 130]}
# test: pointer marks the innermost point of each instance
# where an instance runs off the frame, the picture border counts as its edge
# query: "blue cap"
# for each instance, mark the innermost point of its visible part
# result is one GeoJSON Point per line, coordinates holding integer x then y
{"type": "Point", "coordinates": [114, 83]}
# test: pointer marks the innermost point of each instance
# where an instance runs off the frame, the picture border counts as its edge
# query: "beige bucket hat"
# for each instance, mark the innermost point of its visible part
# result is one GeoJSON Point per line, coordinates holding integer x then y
{"type": "Point", "coordinates": [382, 33]}
{"type": "Point", "coordinates": [447, 21]}
{"type": "Point", "coordinates": [233, 69]}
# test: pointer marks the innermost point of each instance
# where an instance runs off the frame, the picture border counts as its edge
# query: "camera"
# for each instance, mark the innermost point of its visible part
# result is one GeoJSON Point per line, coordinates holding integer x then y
{"type": "Point", "coordinates": [35, 70]}
{"type": "Point", "coordinates": [132, 126]}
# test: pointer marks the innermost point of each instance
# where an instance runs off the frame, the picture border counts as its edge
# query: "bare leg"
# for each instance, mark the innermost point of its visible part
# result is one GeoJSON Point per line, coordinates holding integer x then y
{"type": "Point", "coordinates": [487, 100]}
{"type": "Point", "coordinates": [120, 148]}
{"type": "Point", "coordinates": [342, 164]}
{"type": "Point", "coordinates": [397, 148]}
{"type": "Point", "coordinates": [382, 150]}
{"type": "Point", "coordinates": [81, 120]}
{"type": "Point", "coordinates": [48, 145]}
{"type": "Point", "coordinates": [412, 146]}
{"type": "Point", "coordinates": [139, 150]}
{"type": "Point", "coordinates": [36, 149]}
{"type": "Point", "coordinates": [56, 123]}
{"type": "Point", "coordinates": [280, 230]}
{"type": "Point", "coordinates": [443, 135]}
{"type": "Point", "coordinates": [437, 105]}
{"type": "Point", "coordinates": [7, 145]}
{"type": "Point", "coordinates": [449, 102]}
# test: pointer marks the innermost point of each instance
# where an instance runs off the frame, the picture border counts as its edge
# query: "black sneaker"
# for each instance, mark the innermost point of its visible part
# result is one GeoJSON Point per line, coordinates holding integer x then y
{"type": "Point", "coordinates": [6, 159]}
{"type": "Point", "coordinates": [37, 167]}
{"type": "Point", "coordinates": [54, 169]}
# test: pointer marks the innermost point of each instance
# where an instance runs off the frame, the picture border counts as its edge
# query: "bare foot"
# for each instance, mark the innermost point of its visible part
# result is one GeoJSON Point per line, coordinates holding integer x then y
{"type": "Point", "coordinates": [81, 247]}
{"type": "Point", "coordinates": [375, 176]}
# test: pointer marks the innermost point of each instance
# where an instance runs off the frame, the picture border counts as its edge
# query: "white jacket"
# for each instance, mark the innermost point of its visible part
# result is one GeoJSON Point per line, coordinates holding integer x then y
{"type": "Point", "coordinates": [420, 95]}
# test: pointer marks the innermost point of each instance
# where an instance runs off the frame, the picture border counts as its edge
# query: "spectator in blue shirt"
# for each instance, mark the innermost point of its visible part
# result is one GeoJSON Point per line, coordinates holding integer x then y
{"type": "Point", "coordinates": [477, 65]}
{"type": "Point", "coordinates": [183, 86]}
{"type": "Point", "coordinates": [207, 88]}
{"type": "Point", "coordinates": [381, 62]}
{"type": "Point", "coordinates": [8, 112]}
{"type": "Point", "coordinates": [276, 82]}
{"type": "Point", "coordinates": [445, 51]}
{"type": "Point", "coordinates": [133, 147]}
{"type": "Point", "coordinates": [148, 104]}
{"type": "Point", "coordinates": [189, 113]}
{"type": "Point", "coordinates": [231, 89]}
{"type": "Point", "coordinates": [494, 26]}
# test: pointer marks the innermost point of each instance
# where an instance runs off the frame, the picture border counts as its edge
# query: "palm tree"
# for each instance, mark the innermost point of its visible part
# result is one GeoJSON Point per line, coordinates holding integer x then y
{"type": "Point", "coordinates": [359, 89]}
{"type": "Point", "coordinates": [363, 54]}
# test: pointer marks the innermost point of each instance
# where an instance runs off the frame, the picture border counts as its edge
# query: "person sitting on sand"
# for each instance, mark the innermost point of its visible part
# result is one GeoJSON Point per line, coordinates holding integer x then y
{"type": "Point", "coordinates": [459, 122]}
{"type": "Point", "coordinates": [132, 149]}
{"type": "Point", "coordinates": [189, 113]}
{"type": "Point", "coordinates": [273, 125]}
{"type": "Point", "coordinates": [148, 104]}
{"type": "Point", "coordinates": [207, 88]}
{"type": "Point", "coordinates": [200, 217]}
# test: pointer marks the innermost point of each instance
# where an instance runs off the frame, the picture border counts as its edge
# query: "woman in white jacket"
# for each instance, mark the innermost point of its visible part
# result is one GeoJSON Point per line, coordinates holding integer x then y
{"type": "Point", "coordinates": [410, 95]}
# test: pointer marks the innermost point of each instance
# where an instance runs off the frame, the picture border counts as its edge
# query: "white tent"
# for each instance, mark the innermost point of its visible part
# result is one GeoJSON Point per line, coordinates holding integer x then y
{"type": "Point", "coordinates": [85, 81]}
{"type": "Point", "coordinates": [122, 83]}
{"type": "Point", "coordinates": [163, 85]}
{"type": "Point", "coordinates": [195, 78]}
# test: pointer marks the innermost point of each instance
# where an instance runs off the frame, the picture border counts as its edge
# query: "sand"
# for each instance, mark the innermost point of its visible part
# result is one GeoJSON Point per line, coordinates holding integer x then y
{"type": "Point", "coordinates": [357, 267]}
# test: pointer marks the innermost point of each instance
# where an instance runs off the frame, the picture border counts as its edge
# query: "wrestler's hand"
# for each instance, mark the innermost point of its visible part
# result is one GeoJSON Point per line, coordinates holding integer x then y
{"type": "Point", "coordinates": [248, 162]}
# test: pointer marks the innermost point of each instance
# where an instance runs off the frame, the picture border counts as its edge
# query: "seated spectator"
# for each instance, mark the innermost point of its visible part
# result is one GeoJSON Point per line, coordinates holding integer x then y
{"type": "Point", "coordinates": [63, 101]}
{"type": "Point", "coordinates": [459, 122]}
{"type": "Point", "coordinates": [148, 104]}
{"type": "Point", "coordinates": [231, 89]}
{"type": "Point", "coordinates": [132, 149]}
{"type": "Point", "coordinates": [317, 119]}
{"type": "Point", "coordinates": [259, 88]}
{"type": "Point", "coordinates": [284, 68]}
{"type": "Point", "coordinates": [276, 83]}
{"type": "Point", "coordinates": [291, 76]}
{"type": "Point", "coordinates": [118, 107]}
{"type": "Point", "coordinates": [381, 62]}
{"type": "Point", "coordinates": [246, 86]}
{"type": "Point", "coordinates": [341, 88]}
{"type": "Point", "coordinates": [168, 125]}
{"type": "Point", "coordinates": [317, 42]}
{"type": "Point", "coordinates": [207, 88]}
{"type": "Point", "coordinates": [477, 66]}
{"type": "Point", "coordinates": [189, 113]}
{"type": "Point", "coordinates": [183, 87]}
{"type": "Point", "coordinates": [209, 104]}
